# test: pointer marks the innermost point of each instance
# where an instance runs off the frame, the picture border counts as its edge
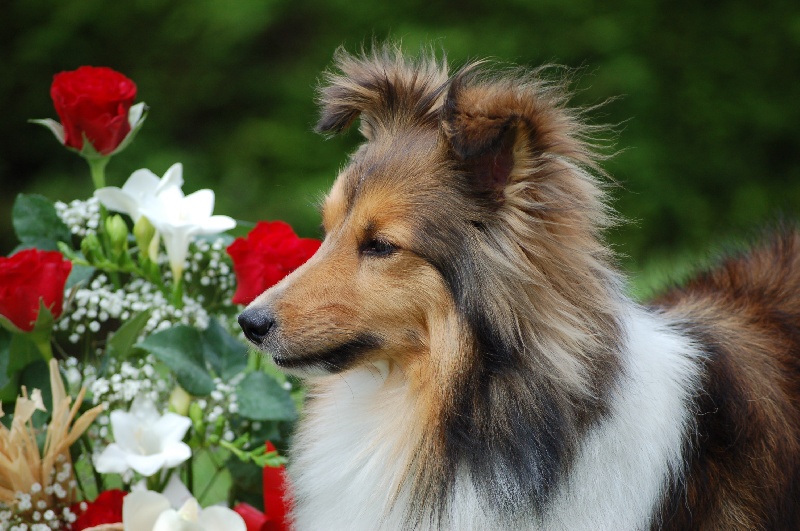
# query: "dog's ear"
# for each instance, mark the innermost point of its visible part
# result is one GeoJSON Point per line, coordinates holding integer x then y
{"type": "Point", "coordinates": [383, 88]}
{"type": "Point", "coordinates": [341, 102]}
{"type": "Point", "coordinates": [499, 128]}
{"type": "Point", "coordinates": [483, 127]}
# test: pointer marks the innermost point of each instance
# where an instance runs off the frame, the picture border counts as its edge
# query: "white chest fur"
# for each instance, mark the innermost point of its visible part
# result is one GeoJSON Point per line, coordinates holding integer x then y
{"type": "Point", "coordinates": [351, 450]}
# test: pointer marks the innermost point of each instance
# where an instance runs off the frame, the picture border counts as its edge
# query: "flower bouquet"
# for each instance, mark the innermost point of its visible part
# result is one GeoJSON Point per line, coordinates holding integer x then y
{"type": "Point", "coordinates": [130, 401]}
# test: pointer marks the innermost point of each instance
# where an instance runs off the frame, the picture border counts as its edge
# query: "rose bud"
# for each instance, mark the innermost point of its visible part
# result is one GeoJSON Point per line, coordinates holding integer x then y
{"type": "Point", "coordinates": [93, 102]}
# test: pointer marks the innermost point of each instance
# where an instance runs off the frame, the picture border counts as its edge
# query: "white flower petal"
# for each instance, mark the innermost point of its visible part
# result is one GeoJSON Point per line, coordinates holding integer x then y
{"type": "Point", "coordinates": [176, 241]}
{"type": "Point", "coordinates": [178, 218]}
{"type": "Point", "coordinates": [190, 510]}
{"type": "Point", "coordinates": [141, 509]}
{"type": "Point", "coordinates": [146, 465]}
{"type": "Point", "coordinates": [135, 114]}
{"type": "Point", "coordinates": [124, 426]}
{"type": "Point", "coordinates": [216, 224]}
{"type": "Point", "coordinates": [141, 183]}
{"type": "Point", "coordinates": [198, 205]}
{"type": "Point", "coordinates": [145, 510]}
{"type": "Point", "coordinates": [117, 200]}
{"type": "Point", "coordinates": [112, 460]}
{"type": "Point", "coordinates": [171, 427]}
{"type": "Point", "coordinates": [129, 199]}
{"type": "Point", "coordinates": [176, 492]}
{"type": "Point", "coordinates": [146, 441]}
{"type": "Point", "coordinates": [142, 190]}
{"type": "Point", "coordinates": [174, 454]}
{"type": "Point", "coordinates": [171, 521]}
{"type": "Point", "coordinates": [217, 518]}
{"type": "Point", "coordinates": [144, 410]}
{"type": "Point", "coordinates": [169, 202]}
{"type": "Point", "coordinates": [173, 178]}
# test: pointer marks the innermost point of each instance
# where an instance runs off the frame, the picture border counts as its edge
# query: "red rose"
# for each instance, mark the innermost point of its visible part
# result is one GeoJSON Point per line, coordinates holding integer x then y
{"type": "Point", "coordinates": [28, 277]}
{"type": "Point", "coordinates": [93, 101]}
{"type": "Point", "coordinates": [106, 509]}
{"type": "Point", "coordinates": [276, 504]}
{"type": "Point", "coordinates": [269, 252]}
{"type": "Point", "coordinates": [254, 519]}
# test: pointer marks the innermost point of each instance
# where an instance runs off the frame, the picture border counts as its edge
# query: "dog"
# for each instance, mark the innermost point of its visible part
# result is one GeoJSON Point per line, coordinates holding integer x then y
{"type": "Point", "coordinates": [472, 358]}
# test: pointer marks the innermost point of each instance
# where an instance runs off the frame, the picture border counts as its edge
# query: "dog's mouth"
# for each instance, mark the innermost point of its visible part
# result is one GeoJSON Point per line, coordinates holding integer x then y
{"type": "Point", "coordinates": [332, 360]}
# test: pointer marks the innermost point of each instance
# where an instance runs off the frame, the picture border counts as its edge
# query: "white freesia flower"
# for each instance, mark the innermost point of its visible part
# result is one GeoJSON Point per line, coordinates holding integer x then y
{"type": "Point", "coordinates": [149, 511]}
{"type": "Point", "coordinates": [141, 189]}
{"type": "Point", "coordinates": [146, 441]}
{"type": "Point", "coordinates": [178, 218]}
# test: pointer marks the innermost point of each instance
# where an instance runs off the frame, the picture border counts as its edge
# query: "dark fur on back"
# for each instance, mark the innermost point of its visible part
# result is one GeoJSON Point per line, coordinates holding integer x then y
{"type": "Point", "coordinates": [743, 468]}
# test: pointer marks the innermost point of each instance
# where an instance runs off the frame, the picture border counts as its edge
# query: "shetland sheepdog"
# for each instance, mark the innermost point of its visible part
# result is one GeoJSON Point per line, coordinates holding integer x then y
{"type": "Point", "coordinates": [472, 358]}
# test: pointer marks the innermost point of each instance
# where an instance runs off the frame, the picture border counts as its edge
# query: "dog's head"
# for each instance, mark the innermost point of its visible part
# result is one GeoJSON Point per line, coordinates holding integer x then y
{"type": "Point", "coordinates": [457, 221]}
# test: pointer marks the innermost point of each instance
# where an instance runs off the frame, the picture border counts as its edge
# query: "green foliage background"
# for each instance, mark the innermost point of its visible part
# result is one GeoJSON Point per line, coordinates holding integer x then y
{"type": "Point", "coordinates": [709, 137]}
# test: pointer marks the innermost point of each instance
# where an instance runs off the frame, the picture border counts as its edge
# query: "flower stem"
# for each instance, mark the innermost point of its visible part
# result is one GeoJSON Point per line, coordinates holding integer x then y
{"type": "Point", "coordinates": [190, 473]}
{"type": "Point", "coordinates": [97, 166]}
{"type": "Point", "coordinates": [177, 292]}
{"type": "Point", "coordinates": [98, 479]}
{"type": "Point", "coordinates": [153, 483]}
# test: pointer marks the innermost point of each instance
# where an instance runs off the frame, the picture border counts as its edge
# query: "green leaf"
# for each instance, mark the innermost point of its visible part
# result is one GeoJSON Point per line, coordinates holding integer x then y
{"type": "Point", "coordinates": [226, 354]}
{"type": "Point", "coordinates": [181, 349]}
{"type": "Point", "coordinates": [123, 340]}
{"type": "Point", "coordinates": [40, 334]}
{"type": "Point", "coordinates": [37, 224]}
{"type": "Point", "coordinates": [43, 326]}
{"type": "Point", "coordinates": [80, 274]}
{"type": "Point", "coordinates": [70, 253]}
{"type": "Point", "coordinates": [21, 353]}
{"type": "Point", "coordinates": [261, 397]}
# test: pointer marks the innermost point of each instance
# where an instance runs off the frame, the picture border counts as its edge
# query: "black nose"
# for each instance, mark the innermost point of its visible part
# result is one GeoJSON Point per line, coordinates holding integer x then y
{"type": "Point", "coordinates": [256, 324]}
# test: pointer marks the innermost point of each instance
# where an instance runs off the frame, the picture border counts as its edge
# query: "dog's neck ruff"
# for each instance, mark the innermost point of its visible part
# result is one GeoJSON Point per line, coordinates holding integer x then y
{"type": "Point", "coordinates": [358, 439]}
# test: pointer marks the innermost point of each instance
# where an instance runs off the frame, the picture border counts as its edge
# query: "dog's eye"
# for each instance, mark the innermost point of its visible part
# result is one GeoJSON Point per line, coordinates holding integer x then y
{"type": "Point", "coordinates": [378, 247]}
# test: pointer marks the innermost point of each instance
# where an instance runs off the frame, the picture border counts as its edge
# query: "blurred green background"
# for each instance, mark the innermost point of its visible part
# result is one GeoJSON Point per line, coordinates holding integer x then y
{"type": "Point", "coordinates": [708, 100]}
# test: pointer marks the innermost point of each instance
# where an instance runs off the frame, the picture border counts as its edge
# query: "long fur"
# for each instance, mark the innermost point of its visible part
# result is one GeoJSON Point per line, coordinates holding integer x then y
{"type": "Point", "coordinates": [473, 361]}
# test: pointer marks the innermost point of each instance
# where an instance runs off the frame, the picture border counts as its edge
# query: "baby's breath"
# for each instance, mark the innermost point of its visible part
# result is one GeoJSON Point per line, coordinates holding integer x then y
{"type": "Point", "coordinates": [208, 272]}
{"type": "Point", "coordinates": [100, 303]}
{"type": "Point", "coordinates": [82, 217]}
{"type": "Point", "coordinates": [120, 384]}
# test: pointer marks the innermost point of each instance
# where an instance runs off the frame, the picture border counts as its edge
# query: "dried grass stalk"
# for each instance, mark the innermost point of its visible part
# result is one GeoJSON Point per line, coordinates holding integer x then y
{"type": "Point", "coordinates": [21, 464]}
